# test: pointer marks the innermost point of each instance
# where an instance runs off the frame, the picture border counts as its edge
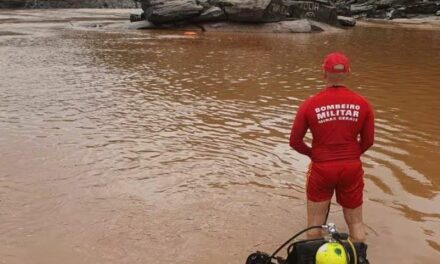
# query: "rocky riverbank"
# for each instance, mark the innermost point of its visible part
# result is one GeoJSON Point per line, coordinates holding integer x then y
{"type": "Point", "coordinates": [388, 9]}
{"type": "Point", "coordinates": [281, 16]}
{"type": "Point", "coordinates": [277, 14]}
{"type": "Point", "coordinates": [69, 4]}
{"type": "Point", "coordinates": [243, 11]}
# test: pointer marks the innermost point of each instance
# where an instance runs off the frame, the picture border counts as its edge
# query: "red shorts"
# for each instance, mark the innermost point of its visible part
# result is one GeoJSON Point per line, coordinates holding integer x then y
{"type": "Point", "coordinates": [343, 176]}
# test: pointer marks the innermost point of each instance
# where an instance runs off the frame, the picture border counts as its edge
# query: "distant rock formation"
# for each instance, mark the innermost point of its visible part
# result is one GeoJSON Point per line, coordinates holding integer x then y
{"type": "Point", "coordinates": [68, 4]}
{"type": "Point", "coordinates": [263, 11]}
{"type": "Point", "coordinates": [12, 4]}
{"type": "Point", "coordinates": [241, 15]}
{"type": "Point", "coordinates": [247, 11]}
{"type": "Point", "coordinates": [388, 9]}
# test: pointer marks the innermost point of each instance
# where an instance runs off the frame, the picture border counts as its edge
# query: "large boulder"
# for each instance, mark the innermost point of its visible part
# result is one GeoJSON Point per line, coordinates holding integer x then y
{"type": "Point", "coordinates": [244, 10]}
{"type": "Point", "coordinates": [212, 14]}
{"type": "Point", "coordinates": [391, 3]}
{"type": "Point", "coordinates": [318, 10]}
{"type": "Point", "coordinates": [144, 24]}
{"type": "Point", "coordinates": [67, 4]}
{"type": "Point", "coordinates": [293, 26]}
{"type": "Point", "coordinates": [296, 26]}
{"type": "Point", "coordinates": [366, 7]}
{"type": "Point", "coordinates": [165, 11]}
{"type": "Point", "coordinates": [205, 3]}
{"type": "Point", "coordinates": [422, 8]}
{"type": "Point", "coordinates": [278, 10]}
{"type": "Point", "coordinates": [257, 11]}
{"type": "Point", "coordinates": [396, 13]}
{"type": "Point", "coordinates": [347, 21]}
{"type": "Point", "coordinates": [12, 4]}
{"type": "Point", "coordinates": [388, 9]}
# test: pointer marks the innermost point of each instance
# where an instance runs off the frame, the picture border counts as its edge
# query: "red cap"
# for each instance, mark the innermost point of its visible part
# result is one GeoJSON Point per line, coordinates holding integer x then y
{"type": "Point", "coordinates": [336, 63]}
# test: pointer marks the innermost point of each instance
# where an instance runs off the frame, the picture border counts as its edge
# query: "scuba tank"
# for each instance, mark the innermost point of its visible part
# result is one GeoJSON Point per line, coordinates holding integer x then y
{"type": "Point", "coordinates": [334, 248]}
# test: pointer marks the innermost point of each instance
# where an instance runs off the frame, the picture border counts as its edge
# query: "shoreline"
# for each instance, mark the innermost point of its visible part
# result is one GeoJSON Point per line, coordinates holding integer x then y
{"type": "Point", "coordinates": [109, 14]}
{"type": "Point", "coordinates": [421, 22]}
{"type": "Point", "coordinates": [68, 4]}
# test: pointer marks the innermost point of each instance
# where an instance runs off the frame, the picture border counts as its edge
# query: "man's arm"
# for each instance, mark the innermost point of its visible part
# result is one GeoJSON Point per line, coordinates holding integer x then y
{"type": "Point", "coordinates": [367, 132]}
{"type": "Point", "coordinates": [299, 129]}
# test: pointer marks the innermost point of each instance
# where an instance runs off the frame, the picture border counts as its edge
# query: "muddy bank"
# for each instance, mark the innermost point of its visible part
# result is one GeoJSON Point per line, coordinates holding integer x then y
{"type": "Point", "coordinates": [68, 4]}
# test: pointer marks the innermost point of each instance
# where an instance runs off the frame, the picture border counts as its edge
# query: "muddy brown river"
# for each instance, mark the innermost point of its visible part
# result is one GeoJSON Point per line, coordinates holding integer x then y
{"type": "Point", "coordinates": [123, 146]}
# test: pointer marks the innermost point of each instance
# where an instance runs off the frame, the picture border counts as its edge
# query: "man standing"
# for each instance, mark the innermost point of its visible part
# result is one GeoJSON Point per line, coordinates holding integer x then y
{"type": "Point", "coordinates": [342, 126]}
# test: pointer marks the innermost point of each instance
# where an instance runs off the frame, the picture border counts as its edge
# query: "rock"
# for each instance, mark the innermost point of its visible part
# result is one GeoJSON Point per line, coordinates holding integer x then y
{"type": "Point", "coordinates": [368, 7]}
{"type": "Point", "coordinates": [213, 14]}
{"type": "Point", "coordinates": [347, 21]}
{"type": "Point", "coordinates": [68, 4]}
{"type": "Point", "coordinates": [244, 10]}
{"type": "Point", "coordinates": [294, 26]}
{"type": "Point", "coordinates": [318, 10]}
{"type": "Point", "coordinates": [136, 17]}
{"type": "Point", "coordinates": [381, 14]}
{"type": "Point", "coordinates": [142, 25]}
{"type": "Point", "coordinates": [205, 3]}
{"type": "Point", "coordinates": [393, 3]}
{"type": "Point", "coordinates": [422, 8]}
{"type": "Point", "coordinates": [165, 11]}
{"type": "Point", "coordinates": [12, 4]}
{"type": "Point", "coordinates": [397, 13]}
{"type": "Point", "coordinates": [388, 3]}
{"type": "Point", "coordinates": [438, 13]}
{"type": "Point", "coordinates": [357, 9]}
{"type": "Point", "coordinates": [343, 9]}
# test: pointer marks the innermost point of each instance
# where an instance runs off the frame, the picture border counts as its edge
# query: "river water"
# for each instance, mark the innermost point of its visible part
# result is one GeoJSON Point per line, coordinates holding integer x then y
{"type": "Point", "coordinates": [122, 146]}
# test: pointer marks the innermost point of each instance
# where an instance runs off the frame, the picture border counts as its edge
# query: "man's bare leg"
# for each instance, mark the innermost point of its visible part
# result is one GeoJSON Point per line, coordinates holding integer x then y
{"type": "Point", "coordinates": [353, 218]}
{"type": "Point", "coordinates": [316, 214]}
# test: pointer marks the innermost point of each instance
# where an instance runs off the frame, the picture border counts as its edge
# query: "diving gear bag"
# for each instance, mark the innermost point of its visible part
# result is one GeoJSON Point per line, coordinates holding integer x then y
{"type": "Point", "coordinates": [304, 252]}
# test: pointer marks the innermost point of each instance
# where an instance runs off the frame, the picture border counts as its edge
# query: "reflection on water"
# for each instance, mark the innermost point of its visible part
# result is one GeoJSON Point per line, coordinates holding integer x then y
{"type": "Point", "coordinates": [129, 147]}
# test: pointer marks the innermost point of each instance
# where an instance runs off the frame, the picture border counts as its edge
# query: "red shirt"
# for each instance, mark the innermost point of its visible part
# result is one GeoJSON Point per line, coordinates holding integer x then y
{"type": "Point", "coordinates": [341, 122]}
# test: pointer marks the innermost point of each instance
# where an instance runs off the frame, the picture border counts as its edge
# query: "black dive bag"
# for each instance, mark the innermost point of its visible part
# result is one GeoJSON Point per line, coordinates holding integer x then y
{"type": "Point", "coordinates": [304, 252]}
